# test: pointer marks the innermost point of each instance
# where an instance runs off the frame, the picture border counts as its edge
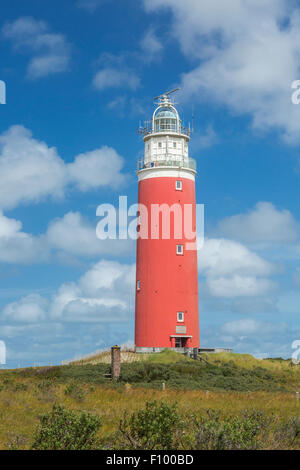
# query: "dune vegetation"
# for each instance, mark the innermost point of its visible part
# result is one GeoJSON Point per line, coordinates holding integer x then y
{"type": "Point", "coordinates": [232, 401]}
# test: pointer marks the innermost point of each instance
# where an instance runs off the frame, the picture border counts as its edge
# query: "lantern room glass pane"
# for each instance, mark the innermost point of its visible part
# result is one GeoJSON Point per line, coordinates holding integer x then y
{"type": "Point", "coordinates": [165, 120]}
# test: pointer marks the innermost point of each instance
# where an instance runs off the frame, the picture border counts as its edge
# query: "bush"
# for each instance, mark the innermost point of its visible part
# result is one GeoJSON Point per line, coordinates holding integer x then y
{"type": "Point", "coordinates": [287, 435]}
{"type": "Point", "coordinates": [154, 427]}
{"type": "Point", "coordinates": [214, 432]}
{"type": "Point", "coordinates": [196, 375]}
{"type": "Point", "coordinates": [64, 429]}
{"type": "Point", "coordinates": [75, 391]}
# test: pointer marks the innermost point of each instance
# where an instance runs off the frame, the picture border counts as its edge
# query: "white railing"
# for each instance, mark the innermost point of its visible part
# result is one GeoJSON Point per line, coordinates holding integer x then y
{"type": "Point", "coordinates": [190, 163]}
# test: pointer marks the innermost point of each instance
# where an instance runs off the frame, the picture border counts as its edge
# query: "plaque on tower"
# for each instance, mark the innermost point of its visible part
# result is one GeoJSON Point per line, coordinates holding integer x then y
{"type": "Point", "coordinates": [181, 329]}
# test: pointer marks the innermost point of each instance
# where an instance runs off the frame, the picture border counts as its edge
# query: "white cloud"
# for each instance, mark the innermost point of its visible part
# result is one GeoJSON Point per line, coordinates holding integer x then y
{"type": "Point", "coordinates": [30, 171]}
{"type": "Point", "coordinates": [50, 51]}
{"type": "Point", "coordinates": [110, 77]}
{"type": "Point", "coordinates": [232, 270]}
{"type": "Point", "coordinates": [151, 46]}
{"type": "Point", "coordinates": [249, 327]}
{"type": "Point", "coordinates": [239, 286]}
{"type": "Point", "coordinates": [220, 257]}
{"type": "Point", "coordinates": [17, 246]}
{"type": "Point", "coordinates": [66, 239]}
{"type": "Point", "coordinates": [103, 294]}
{"type": "Point", "coordinates": [234, 42]}
{"type": "Point", "coordinates": [74, 235]}
{"type": "Point", "coordinates": [116, 73]}
{"type": "Point", "coordinates": [252, 305]}
{"type": "Point", "coordinates": [263, 224]}
{"type": "Point", "coordinates": [29, 309]}
{"type": "Point", "coordinates": [204, 139]}
{"type": "Point", "coordinates": [89, 167]}
{"type": "Point", "coordinates": [245, 326]}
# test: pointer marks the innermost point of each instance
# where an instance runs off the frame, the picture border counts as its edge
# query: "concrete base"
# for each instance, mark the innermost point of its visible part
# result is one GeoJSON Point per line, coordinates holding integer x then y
{"type": "Point", "coordinates": [148, 350]}
{"type": "Point", "coordinates": [187, 351]}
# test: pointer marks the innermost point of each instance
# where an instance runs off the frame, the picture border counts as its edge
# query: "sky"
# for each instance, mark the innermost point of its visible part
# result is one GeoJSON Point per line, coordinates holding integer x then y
{"type": "Point", "coordinates": [80, 76]}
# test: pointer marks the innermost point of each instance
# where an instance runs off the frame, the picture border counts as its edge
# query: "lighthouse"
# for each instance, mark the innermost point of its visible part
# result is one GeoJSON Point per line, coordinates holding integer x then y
{"type": "Point", "coordinates": [166, 307]}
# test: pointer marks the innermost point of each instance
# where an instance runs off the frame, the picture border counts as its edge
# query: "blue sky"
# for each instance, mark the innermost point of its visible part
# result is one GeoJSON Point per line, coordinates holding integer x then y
{"type": "Point", "coordinates": [79, 78]}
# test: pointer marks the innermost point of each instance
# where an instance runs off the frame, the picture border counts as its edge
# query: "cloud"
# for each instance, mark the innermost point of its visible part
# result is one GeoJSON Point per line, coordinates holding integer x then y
{"type": "Point", "coordinates": [29, 309]}
{"type": "Point", "coordinates": [151, 46]}
{"type": "Point", "coordinates": [234, 44]}
{"type": "Point", "coordinates": [220, 257]}
{"type": "Point", "coordinates": [248, 327]}
{"type": "Point", "coordinates": [125, 106]}
{"type": "Point", "coordinates": [251, 336]}
{"type": "Point", "coordinates": [110, 77]}
{"type": "Point", "coordinates": [30, 171]}
{"type": "Point", "coordinates": [263, 224]}
{"type": "Point", "coordinates": [74, 235]}
{"type": "Point", "coordinates": [87, 167]}
{"type": "Point", "coordinates": [204, 139]}
{"type": "Point", "coordinates": [239, 286]}
{"type": "Point", "coordinates": [248, 306]}
{"type": "Point", "coordinates": [120, 71]}
{"type": "Point", "coordinates": [50, 52]}
{"type": "Point", "coordinates": [65, 240]}
{"type": "Point", "coordinates": [231, 270]}
{"type": "Point", "coordinates": [241, 327]}
{"type": "Point", "coordinates": [103, 294]}
{"type": "Point", "coordinates": [17, 246]}
{"type": "Point", "coordinates": [116, 73]}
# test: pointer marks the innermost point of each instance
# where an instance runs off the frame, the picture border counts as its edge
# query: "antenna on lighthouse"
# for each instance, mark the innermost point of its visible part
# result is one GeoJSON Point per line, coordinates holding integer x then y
{"type": "Point", "coordinates": [193, 118]}
{"type": "Point", "coordinates": [164, 97]}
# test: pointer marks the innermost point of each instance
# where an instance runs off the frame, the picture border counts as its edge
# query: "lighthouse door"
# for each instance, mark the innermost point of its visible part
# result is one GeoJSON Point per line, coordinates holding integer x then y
{"type": "Point", "coordinates": [180, 342]}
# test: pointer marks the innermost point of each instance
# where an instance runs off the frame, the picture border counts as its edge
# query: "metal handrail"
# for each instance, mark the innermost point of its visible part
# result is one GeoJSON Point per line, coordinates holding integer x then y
{"type": "Point", "coordinates": [191, 164]}
{"type": "Point", "coordinates": [148, 129]}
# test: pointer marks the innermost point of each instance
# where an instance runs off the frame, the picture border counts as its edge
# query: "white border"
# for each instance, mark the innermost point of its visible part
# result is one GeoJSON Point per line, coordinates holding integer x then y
{"type": "Point", "coordinates": [165, 173]}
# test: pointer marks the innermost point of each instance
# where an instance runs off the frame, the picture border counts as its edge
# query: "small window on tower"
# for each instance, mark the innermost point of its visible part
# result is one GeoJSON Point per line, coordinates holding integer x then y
{"type": "Point", "coordinates": [138, 285]}
{"type": "Point", "coordinates": [179, 249]}
{"type": "Point", "coordinates": [174, 145]}
{"type": "Point", "coordinates": [180, 316]}
{"type": "Point", "coordinates": [159, 145]}
{"type": "Point", "coordinates": [178, 185]}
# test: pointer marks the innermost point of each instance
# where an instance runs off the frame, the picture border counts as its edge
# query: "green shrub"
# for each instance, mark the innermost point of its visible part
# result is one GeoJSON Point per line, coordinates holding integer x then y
{"type": "Point", "coordinates": [287, 435]}
{"type": "Point", "coordinates": [214, 432]}
{"type": "Point", "coordinates": [154, 427]}
{"type": "Point", "coordinates": [195, 375]}
{"type": "Point", "coordinates": [88, 373]}
{"type": "Point", "coordinates": [64, 429]}
{"type": "Point", "coordinates": [75, 391]}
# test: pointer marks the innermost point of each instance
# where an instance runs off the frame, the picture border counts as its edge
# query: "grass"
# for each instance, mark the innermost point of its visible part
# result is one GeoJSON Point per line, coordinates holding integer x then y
{"type": "Point", "coordinates": [230, 383]}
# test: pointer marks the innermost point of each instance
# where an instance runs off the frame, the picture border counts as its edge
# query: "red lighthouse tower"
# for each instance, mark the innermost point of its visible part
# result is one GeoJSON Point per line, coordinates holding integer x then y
{"type": "Point", "coordinates": [166, 310]}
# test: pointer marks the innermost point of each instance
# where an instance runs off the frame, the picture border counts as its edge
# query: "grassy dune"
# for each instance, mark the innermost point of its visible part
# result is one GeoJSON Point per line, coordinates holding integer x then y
{"type": "Point", "coordinates": [268, 385]}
